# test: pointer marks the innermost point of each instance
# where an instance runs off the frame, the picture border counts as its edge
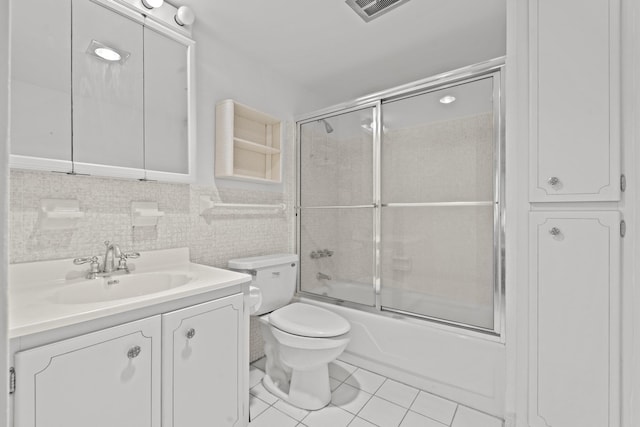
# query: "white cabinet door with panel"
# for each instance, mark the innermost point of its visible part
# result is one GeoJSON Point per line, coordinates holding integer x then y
{"type": "Point", "coordinates": [574, 347]}
{"type": "Point", "coordinates": [203, 365]}
{"type": "Point", "coordinates": [103, 379]}
{"type": "Point", "coordinates": [575, 100]}
{"type": "Point", "coordinates": [40, 85]}
{"type": "Point", "coordinates": [108, 127]}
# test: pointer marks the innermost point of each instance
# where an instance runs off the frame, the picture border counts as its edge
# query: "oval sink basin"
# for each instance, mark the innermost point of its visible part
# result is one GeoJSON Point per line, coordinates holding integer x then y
{"type": "Point", "coordinates": [119, 287]}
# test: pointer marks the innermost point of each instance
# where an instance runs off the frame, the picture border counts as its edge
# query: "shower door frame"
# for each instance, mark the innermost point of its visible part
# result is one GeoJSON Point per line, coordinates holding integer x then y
{"type": "Point", "coordinates": [489, 69]}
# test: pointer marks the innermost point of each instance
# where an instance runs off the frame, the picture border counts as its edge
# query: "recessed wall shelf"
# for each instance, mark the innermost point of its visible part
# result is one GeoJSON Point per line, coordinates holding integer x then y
{"type": "Point", "coordinates": [248, 144]}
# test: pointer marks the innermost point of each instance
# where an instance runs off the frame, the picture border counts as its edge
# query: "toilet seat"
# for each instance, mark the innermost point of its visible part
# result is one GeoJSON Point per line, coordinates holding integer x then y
{"type": "Point", "coordinates": [309, 321]}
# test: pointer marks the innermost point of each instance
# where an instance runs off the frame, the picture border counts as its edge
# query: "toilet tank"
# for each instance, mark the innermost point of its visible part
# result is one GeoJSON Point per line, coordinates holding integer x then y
{"type": "Point", "coordinates": [275, 275]}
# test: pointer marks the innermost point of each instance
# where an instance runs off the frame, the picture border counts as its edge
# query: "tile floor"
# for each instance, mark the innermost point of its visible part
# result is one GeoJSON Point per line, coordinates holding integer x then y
{"type": "Point", "coordinates": [361, 398]}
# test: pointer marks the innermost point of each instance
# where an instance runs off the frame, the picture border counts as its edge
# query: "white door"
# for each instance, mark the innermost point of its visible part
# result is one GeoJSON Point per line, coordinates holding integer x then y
{"type": "Point", "coordinates": [202, 365]}
{"type": "Point", "coordinates": [103, 379]}
{"type": "Point", "coordinates": [575, 100]}
{"type": "Point", "coordinates": [574, 373]}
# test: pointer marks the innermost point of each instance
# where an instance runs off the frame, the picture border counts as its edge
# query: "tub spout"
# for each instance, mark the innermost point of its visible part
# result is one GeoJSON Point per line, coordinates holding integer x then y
{"type": "Point", "coordinates": [322, 276]}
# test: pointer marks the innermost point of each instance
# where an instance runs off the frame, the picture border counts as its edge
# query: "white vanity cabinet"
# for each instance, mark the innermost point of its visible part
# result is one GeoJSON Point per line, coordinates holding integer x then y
{"type": "Point", "coordinates": [574, 335]}
{"type": "Point", "coordinates": [102, 379]}
{"type": "Point", "coordinates": [574, 69]}
{"type": "Point", "coordinates": [202, 364]}
{"type": "Point", "coordinates": [181, 368]}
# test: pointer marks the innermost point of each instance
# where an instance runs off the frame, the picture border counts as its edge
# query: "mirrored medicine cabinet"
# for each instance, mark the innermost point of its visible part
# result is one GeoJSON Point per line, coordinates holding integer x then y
{"type": "Point", "coordinates": [99, 88]}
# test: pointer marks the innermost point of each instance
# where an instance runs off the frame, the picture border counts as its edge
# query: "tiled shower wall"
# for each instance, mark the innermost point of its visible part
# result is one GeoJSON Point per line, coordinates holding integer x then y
{"type": "Point", "coordinates": [213, 237]}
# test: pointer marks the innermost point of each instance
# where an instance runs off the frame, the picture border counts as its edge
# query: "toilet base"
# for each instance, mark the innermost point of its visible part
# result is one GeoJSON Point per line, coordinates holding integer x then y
{"type": "Point", "coordinates": [308, 389]}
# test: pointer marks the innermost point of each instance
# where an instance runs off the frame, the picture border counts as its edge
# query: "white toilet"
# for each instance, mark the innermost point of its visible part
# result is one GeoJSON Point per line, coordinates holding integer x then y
{"type": "Point", "coordinates": [300, 339]}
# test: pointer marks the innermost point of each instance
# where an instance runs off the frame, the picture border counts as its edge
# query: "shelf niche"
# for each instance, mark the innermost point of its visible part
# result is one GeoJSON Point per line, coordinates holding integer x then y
{"type": "Point", "coordinates": [248, 144]}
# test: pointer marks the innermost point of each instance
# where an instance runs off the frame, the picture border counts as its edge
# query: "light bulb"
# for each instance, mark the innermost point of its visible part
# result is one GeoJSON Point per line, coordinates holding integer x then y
{"type": "Point", "coordinates": [185, 16]}
{"type": "Point", "coordinates": [447, 99]}
{"type": "Point", "coordinates": [108, 54]}
{"type": "Point", "coordinates": [152, 4]}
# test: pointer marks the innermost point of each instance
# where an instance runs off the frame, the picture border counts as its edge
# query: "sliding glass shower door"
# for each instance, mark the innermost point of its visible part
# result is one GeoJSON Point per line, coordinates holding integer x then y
{"type": "Point", "coordinates": [400, 203]}
{"type": "Point", "coordinates": [336, 206]}
{"type": "Point", "coordinates": [439, 204]}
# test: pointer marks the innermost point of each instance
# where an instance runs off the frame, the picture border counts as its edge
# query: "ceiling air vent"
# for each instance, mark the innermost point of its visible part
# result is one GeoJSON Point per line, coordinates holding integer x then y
{"type": "Point", "coordinates": [371, 9]}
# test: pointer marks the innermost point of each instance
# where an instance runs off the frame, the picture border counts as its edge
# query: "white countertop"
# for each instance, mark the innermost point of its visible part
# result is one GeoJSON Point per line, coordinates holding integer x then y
{"type": "Point", "coordinates": [33, 287]}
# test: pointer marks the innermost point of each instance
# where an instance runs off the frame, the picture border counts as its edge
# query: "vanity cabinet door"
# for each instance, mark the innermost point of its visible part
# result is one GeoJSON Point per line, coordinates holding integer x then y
{"type": "Point", "coordinates": [574, 348]}
{"type": "Point", "coordinates": [575, 100]}
{"type": "Point", "coordinates": [103, 379]}
{"type": "Point", "coordinates": [203, 365]}
{"type": "Point", "coordinates": [40, 85]}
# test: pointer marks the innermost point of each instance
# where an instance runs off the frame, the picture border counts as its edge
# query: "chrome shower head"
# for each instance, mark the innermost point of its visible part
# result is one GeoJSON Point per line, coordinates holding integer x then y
{"type": "Point", "coordinates": [327, 127]}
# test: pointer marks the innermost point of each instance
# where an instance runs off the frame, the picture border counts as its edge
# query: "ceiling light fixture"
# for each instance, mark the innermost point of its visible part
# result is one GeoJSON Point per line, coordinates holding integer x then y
{"type": "Point", "coordinates": [184, 16]}
{"type": "Point", "coordinates": [107, 53]}
{"type": "Point", "coordinates": [152, 4]}
{"type": "Point", "coordinates": [448, 99]}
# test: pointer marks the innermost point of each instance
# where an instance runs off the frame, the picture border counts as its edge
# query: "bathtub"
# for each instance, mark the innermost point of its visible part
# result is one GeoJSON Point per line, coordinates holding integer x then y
{"type": "Point", "coordinates": [456, 364]}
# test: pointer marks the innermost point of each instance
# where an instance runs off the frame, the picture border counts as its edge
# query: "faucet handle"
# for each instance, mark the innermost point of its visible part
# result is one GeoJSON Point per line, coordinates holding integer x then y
{"type": "Point", "coordinates": [85, 260]}
{"type": "Point", "coordinates": [132, 255]}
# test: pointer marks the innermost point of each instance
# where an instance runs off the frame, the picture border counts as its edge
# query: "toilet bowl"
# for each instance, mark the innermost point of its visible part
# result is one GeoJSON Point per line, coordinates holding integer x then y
{"type": "Point", "coordinates": [300, 339]}
{"type": "Point", "coordinates": [297, 364]}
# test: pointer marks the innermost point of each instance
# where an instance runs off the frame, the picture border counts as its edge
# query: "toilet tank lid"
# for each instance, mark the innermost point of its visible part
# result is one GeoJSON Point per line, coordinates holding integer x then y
{"type": "Point", "coordinates": [254, 262]}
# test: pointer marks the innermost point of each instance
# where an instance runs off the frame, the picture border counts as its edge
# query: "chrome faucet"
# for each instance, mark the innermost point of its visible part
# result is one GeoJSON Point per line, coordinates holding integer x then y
{"type": "Point", "coordinates": [109, 264]}
{"type": "Point", "coordinates": [108, 267]}
{"type": "Point", "coordinates": [322, 276]}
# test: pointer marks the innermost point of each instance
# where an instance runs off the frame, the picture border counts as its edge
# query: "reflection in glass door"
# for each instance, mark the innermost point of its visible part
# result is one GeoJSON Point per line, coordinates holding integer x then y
{"type": "Point", "coordinates": [336, 215]}
{"type": "Point", "coordinates": [400, 206]}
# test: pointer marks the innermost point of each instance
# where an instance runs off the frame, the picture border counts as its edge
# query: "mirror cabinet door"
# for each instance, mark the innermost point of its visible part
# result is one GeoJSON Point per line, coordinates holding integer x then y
{"type": "Point", "coordinates": [165, 104]}
{"type": "Point", "coordinates": [40, 85]}
{"type": "Point", "coordinates": [107, 95]}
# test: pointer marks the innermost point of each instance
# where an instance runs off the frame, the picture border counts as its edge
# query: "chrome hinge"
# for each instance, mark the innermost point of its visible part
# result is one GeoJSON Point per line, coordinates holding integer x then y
{"type": "Point", "coordinates": [12, 380]}
{"type": "Point", "coordinates": [623, 228]}
{"type": "Point", "coordinates": [623, 183]}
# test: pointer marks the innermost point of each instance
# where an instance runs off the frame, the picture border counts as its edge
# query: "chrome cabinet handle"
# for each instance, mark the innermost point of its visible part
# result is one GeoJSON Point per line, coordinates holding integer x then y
{"type": "Point", "coordinates": [554, 231]}
{"type": "Point", "coordinates": [553, 181]}
{"type": "Point", "coordinates": [134, 352]}
{"type": "Point", "coordinates": [191, 333]}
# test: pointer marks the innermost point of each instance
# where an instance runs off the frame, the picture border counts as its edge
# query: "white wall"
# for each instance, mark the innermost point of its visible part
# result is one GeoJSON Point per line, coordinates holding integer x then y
{"type": "Point", "coordinates": [4, 201]}
{"type": "Point", "coordinates": [223, 72]}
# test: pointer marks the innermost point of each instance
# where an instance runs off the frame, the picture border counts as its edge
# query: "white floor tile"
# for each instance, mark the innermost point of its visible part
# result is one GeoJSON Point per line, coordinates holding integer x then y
{"type": "Point", "coordinates": [382, 413]}
{"type": "Point", "coordinates": [434, 407]}
{"type": "Point", "coordinates": [255, 376]}
{"type": "Point", "coordinates": [397, 393]}
{"type": "Point", "coordinates": [331, 416]}
{"type": "Point", "coordinates": [272, 418]}
{"type": "Point", "coordinates": [350, 398]}
{"type": "Point", "coordinates": [291, 410]}
{"type": "Point", "coordinates": [256, 407]}
{"type": "Point", "coordinates": [359, 422]}
{"type": "Point", "coordinates": [341, 370]}
{"type": "Point", "coordinates": [413, 419]}
{"type": "Point", "coordinates": [467, 417]}
{"type": "Point", "coordinates": [365, 380]}
{"type": "Point", "coordinates": [261, 364]}
{"type": "Point", "coordinates": [261, 393]}
{"type": "Point", "coordinates": [334, 384]}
